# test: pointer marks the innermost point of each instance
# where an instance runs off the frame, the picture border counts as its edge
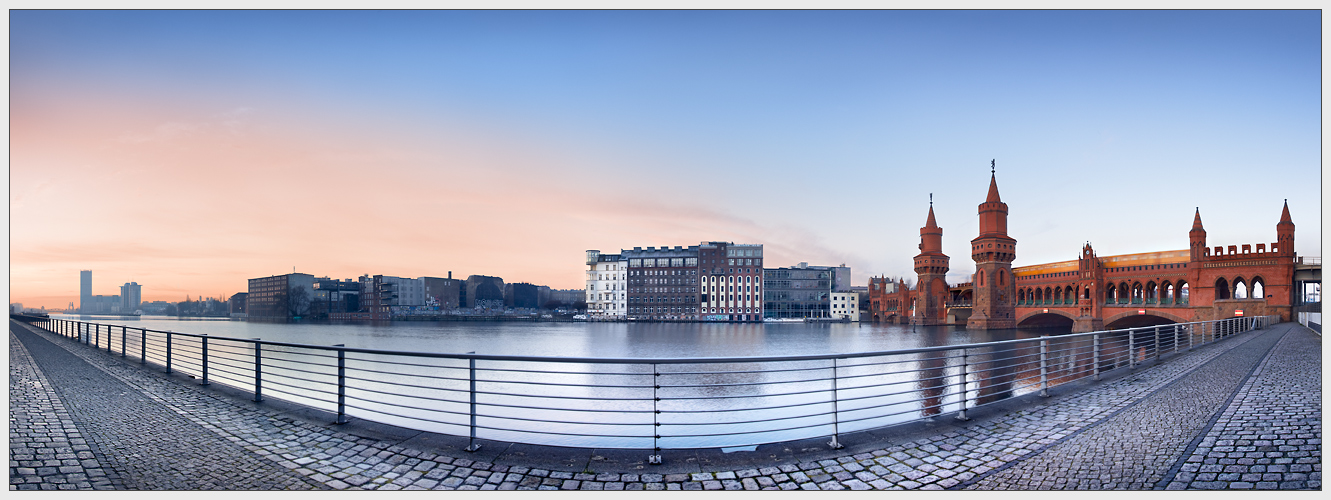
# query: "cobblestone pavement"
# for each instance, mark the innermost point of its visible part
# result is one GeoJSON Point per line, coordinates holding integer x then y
{"type": "Point", "coordinates": [1070, 436]}
{"type": "Point", "coordinates": [46, 449]}
{"type": "Point", "coordinates": [1270, 435]}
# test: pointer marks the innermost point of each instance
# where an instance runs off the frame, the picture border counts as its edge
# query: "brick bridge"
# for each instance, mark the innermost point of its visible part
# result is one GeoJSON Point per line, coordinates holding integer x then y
{"type": "Point", "coordinates": [1092, 292]}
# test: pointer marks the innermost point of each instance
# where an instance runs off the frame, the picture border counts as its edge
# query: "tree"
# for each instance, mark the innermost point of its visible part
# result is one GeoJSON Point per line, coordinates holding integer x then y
{"type": "Point", "coordinates": [580, 305]}
{"type": "Point", "coordinates": [298, 301]}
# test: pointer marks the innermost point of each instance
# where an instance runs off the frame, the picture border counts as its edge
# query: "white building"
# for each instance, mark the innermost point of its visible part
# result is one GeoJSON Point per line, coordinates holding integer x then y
{"type": "Point", "coordinates": [607, 286]}
{"type": "Point", "coordinates": [406, 291]}
{"type": "Point", "coordinates": [846, 305]}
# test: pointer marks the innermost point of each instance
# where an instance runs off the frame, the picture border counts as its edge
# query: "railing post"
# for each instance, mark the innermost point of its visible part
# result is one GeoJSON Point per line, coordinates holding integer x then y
{"type": "Point", "coordinates": [655, 458]}
{"type": "Point", "coordinates": [1095, 358]}
{"type": "Point", "coordinates": [836, 415]}
{"type": "Point", "coordinates": [1044, 366]}
{"type": "Point", "coordinates": [108, 339]}
{"type": "Point", "coordinates": [471, 444]}
{"type": "Point", "coordinates": [96, 335]}
{"type": "Point", "coordinates": [143, 346]}
{"type": "Point", "coordinates": [168, 351]}
{"type": "Point", "coordinates": [1132, 350]}
{"type": "Point", "coordinates": [341, 384]}
{"type": "Point", "coordinates": [122, 340]}
{"type": "Point", "coordinates": [204, 359]}
{"type": "Point", "coordinates": [1157, 344]}
{"type": "Point", "coordinates": [964, 393]}
{"type": "Point", "coordinates": [1175, 338]}
{"type": "Point", "coordinates": [258, 372]}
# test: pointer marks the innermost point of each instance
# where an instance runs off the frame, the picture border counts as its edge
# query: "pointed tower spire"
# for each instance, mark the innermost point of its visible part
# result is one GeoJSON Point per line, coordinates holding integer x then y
{"type": "Point", "coordinates": [1197, 218]}
{"type": "Point", "coordinates": [1284, 214]}
{"type": "Point", "coordinates": [930, 222]}
{"type": "Point", "coordinates": [993, 188]}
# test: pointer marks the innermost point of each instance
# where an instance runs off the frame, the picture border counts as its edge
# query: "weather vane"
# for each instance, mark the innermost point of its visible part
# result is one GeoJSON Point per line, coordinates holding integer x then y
{"type": "Point", "coordinates": [991, 165]}
{"type": "Point", "coordinates": [931, 199]}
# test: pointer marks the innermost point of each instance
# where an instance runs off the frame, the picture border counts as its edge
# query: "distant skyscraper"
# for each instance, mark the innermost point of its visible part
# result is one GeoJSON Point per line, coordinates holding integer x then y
{"type": "Point", "coordinates": [130, 297]}
{"type": "Point", "coordinates": [85, 290]}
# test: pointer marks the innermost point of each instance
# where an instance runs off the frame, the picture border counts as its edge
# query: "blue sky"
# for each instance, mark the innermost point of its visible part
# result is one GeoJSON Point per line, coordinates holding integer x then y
{"type": "Point", "coordinates": [818, 133]}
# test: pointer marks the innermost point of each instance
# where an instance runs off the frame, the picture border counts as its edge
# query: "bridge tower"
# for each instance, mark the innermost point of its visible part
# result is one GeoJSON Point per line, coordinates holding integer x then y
{"type": "Point", "coordinates": [931, 267]}
{"type": "Point", "coordinates": [1199, 293]}
{"type": "Point", "coordinates": [1285, 232]}
{"type": "Point", "coordinates": [1090, 295]}
{"type": "Point", "coordinates": [993, 251]}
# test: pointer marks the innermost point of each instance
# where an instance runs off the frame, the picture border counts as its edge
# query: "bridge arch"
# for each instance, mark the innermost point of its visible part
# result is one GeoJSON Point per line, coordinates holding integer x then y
{"type": "Point", "coordinates": [1166, 293]}
{"type": "Point", "coordinates": [1041, 319]}
{"type": "Point", "coordinates": [1182, 293]}
{"type": "Point", "coordinates": [1131, 319]}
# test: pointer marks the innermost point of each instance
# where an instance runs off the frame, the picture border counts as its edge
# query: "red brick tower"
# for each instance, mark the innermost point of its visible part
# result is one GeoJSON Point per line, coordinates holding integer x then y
{"type": "Point", "coordinates": [930, 270]}
{"type": "Point", "coordinates": [1199, 293]}
{"type": "Point", "coordinates": [1090, 298]}
{"type": "Point", "coordinates": [1285, 232]}
{"type": "Point", "coordinates": [993, 251]}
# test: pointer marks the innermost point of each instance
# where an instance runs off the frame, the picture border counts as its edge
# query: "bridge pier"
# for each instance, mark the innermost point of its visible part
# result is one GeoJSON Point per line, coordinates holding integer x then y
{"type": "Point", "coordinates": [1086, 324]}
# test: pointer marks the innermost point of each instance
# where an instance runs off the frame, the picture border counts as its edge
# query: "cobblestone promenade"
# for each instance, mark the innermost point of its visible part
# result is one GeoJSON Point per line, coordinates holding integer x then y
{"type": "Point", "coordinates": [1240, 414]}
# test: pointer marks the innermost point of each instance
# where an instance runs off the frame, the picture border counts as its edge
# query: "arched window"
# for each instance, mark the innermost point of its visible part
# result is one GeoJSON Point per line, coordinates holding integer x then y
{"type": "Point", "coordinates": [1002, 277]}
{"type": "Point", "coordinates": [1182, 293]}
{"type": "Point", "coordinates": [981, 283]}
{"type": "Point", "coordinates": [1069, 295]}
{"type": "Point", "coordinates": [1151, 292]}
{"type": "Point", "coordinates": [1123, 296]}
{"type": "Point", "coordinates": [1168, 296]}
{"type": "Point", "coordinates": [1258, 290]}
{"type": "Point", "coordinates": [1221, 289]}
{"type": "Point", "coordinates": [1021, 296]}
{"type": "Point", "coordinates": [1240, 289]}
{"type": "Point", "coordinates": [1048, 296]}
{"type": "Point", "coordinates": [1039, 296]}
{"type": "Point", "coordinates": [1087, 294]}
{"type": "Point", "coordinates": [1058, 295]}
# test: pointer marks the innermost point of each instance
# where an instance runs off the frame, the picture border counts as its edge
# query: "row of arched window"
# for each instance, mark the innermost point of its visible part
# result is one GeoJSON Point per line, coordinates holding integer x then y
{"type": "Point", "coordinates": [1166, 293]}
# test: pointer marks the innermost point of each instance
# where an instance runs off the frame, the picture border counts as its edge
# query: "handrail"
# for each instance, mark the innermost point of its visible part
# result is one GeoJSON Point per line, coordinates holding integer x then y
{"type": "Point", "coordinates": [809, 396]}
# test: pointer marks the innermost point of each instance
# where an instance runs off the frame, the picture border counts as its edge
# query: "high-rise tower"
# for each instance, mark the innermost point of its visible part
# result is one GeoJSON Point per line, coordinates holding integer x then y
{"type": "Point", "coordinates": [993, 252]}
{"type": "Point", "coordinates": [85, 291]}
{"type": "Point", "coordinates": [931, 267]}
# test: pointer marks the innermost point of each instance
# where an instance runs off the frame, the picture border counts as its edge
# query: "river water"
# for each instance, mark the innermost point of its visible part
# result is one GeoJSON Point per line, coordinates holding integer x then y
{"type": "Point", "coordinates": [622, 405]}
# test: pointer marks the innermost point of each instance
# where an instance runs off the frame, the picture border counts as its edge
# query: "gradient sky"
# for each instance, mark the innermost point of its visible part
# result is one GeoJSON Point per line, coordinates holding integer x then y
{"type": "Point", "coordinates": [189, 151]}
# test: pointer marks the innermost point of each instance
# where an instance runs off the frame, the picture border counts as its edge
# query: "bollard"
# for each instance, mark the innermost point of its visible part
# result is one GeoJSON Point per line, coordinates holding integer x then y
{"type": "Point", "coordinates": [1044, 366]}
{"type": "Point", "coordinates": [341, 384]}
{"type": "Point", "coordinates": [471, 444]}
{"type": "Point", "coordinates": [964, 394]}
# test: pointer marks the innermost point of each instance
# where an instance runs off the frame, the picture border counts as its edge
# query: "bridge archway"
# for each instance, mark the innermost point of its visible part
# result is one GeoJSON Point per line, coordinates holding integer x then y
{"type": "Point", "coordinates": [1131, 319]}
{"type": "Point", "coordinates": [1258, 288]}
{"type": "Point", "coordinates": [1052, 319]}
{"type": "Point", "coordinates": [1240, 288]}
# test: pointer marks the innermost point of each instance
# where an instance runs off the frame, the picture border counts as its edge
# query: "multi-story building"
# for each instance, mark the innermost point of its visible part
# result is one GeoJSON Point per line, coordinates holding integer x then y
{"type": "Point", "coordinates": [845, 305]}
{"type": "Point", "coordinates": [486, 292]}
{"type": "Point", "coordinates": [236, 305]}
{"type": "Point", "coordinates": [521, 295]}
{"type": "Point", "coordinates": [731, 283]}
{"type": "Point", "coordinates": [445, 293]}
{"type": "Point", "coordinates": [607, 285]}
{"type": "Point", "coordinates": [279, 298]}
{"type": "Point", "coordinates": [662, 283]}
{"type": "Point", "coordinates": [131, 295]}
{"type": "Point", "coordinates": [802, 291]}
{"type": "Point", "coordinates": [568, 298]}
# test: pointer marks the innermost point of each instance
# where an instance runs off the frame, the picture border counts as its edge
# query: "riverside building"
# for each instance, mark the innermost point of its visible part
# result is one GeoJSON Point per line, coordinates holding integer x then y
{"type": "Point", "coordinates": [730, 281]}
{"type": "Point", "coordinates": [607, 285]}
{"type": "Point", "coordinates": [802, 291]}
{"type": "Point", "coordinates": [660, 283]}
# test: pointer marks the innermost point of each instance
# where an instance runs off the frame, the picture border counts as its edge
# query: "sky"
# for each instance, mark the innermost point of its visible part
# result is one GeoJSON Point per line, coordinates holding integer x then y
{"type": "Point", "coordinates": [191, 150]}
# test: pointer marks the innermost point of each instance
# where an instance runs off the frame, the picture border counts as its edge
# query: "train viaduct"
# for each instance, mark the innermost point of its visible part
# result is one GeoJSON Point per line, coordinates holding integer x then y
{"type": "Point", "coordinates": [1092, 292]}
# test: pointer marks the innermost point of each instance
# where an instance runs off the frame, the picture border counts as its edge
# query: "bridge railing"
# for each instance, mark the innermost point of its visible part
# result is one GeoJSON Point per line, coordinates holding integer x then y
{"type": "Point", "coordinates": [646, 403]}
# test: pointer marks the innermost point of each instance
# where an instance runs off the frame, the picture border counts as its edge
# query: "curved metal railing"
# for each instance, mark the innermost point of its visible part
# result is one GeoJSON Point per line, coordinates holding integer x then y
{"type": "Point", "coordinates": [647, 403]}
